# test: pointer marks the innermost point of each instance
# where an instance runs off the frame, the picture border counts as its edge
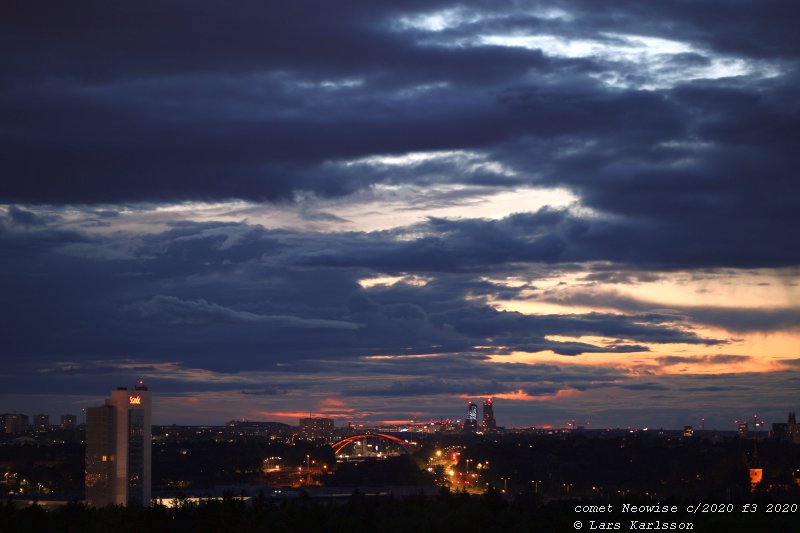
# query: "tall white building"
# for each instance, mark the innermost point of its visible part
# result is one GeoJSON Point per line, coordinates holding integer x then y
{"type": "Point", "coordinates": [471, 423]}
{"type": "Point", "coordinates": [119, 448]}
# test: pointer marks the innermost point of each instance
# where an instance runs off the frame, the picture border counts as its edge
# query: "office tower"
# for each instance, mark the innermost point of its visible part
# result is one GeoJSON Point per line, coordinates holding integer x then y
{"type": "Point", "coordinates": [489, 423]}
{"type": "Point", "coordinates": [313, 428]}
{"type": "Point", "coordinates": [69, 421]}
{"type": "Point", "coordinates": [471, 423]}
{"type": "Point", "coordinates": [41, 422]}
{"type": "Point", "coordinates": [119, 448]}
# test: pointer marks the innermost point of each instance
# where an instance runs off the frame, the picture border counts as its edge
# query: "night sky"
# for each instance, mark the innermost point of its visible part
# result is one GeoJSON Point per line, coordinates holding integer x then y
{"type": "Point", "coordinates": [376, 211]}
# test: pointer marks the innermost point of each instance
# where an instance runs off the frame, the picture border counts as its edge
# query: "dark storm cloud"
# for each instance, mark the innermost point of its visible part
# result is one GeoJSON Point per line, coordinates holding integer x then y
{"type": "Point", "coordinates": [448, 387]}
{"type": "Point", "coordinates": [231, 297]}
{"type": "Point", "coordinates": [486, 322]}
{"type": "Point", "coordinates": [264, 392]}
{"type": "Point", "coordinates": [559, 236]}
{"type": "Point", "coordinates": [477, 369]}
{"type": "Point", "coordinates": [575, 348]}
{"type": "Point", "coordinates": [176, 311]}
{"type": "Point", "coordinates": [474, 376]}
{"type": "Point", "coordinates": [646, 386]}
{"type": "Point", "coordinates": [227, 104]}
{"type": "Point", "coordinates": [108, 108]}
{"type": "Point", "coordinates": [260, 101]}
{"type": "Point", "coordinates": [714, 388]}
{"type": "Point", "coordinates": [739, 320]}
{"type": "Point", "coordinates": [704, 359]}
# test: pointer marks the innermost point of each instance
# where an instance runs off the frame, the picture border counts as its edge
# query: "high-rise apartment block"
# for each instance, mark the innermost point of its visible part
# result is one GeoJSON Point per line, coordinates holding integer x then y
{"type": "Point", "coordinates": [14, 423]}
{"type": "Point", "coordinates": [314, 428]}
{"type": "Point", "coordinates": [119, 448]}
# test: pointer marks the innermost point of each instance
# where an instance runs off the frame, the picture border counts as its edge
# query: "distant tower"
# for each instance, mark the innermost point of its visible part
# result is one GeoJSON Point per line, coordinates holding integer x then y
{"type": "Point", "coordinates": [793, 429]}
{"type": "Point", "coordinates": [471, 423]}
{"type": "Point", "coordinates": [489, 423]}
{"type": "Point", "coordinates": [119, 448]}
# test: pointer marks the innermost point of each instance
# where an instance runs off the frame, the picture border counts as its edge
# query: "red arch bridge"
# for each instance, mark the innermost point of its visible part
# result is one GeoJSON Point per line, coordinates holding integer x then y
{"type": "Point", "coordinates": [371, 445]}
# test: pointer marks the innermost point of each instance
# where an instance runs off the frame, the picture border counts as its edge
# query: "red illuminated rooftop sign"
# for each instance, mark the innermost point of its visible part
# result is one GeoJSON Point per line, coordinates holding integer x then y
{"type": "Point", "coordinates": [135, 400]}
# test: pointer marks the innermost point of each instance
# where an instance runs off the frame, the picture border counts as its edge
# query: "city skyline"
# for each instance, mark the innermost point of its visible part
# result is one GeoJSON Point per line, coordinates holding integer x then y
{"type": "Point", "coordinates": [755, 422]}
{"type": "Point", "coordinates": [378, 211]}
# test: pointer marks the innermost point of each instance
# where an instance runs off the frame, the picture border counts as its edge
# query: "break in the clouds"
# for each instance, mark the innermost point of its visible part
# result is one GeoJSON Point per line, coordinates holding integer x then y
{"type": "Point", "coordinates": [301, 207]}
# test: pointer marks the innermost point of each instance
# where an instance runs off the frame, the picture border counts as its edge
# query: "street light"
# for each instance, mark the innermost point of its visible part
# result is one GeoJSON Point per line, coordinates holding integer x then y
{"type": "Point", "coordinates": [505, 483]}
{"type": "Point", "coordinates": [468, 460]}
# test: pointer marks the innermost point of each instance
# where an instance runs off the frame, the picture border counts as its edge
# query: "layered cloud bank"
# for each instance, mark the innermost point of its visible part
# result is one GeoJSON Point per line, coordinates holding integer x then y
{"type": "Point", "coordinates": [376, 211]}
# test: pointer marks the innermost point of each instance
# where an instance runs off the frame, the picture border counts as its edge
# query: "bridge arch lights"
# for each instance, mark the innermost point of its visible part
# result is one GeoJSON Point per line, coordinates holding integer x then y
{"type": "Point", "coordinates": [403, 445]}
